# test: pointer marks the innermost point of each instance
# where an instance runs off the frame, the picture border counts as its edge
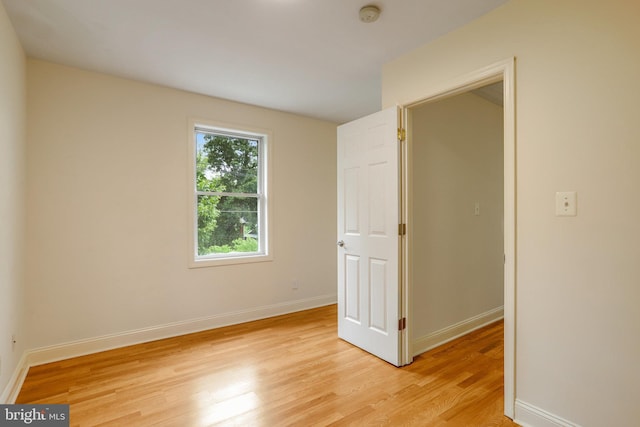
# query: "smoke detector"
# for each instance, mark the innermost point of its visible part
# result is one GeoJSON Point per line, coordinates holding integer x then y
{"type": "Point", "coordinates": [369, 13]}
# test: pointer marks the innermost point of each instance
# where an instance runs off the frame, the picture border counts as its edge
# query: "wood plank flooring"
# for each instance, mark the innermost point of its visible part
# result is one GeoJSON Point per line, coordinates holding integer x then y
{"type": "Point", "coordinates": [289, 370]}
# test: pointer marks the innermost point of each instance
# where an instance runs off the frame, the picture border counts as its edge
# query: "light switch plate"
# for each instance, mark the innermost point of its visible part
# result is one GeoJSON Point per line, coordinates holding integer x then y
{"type": "Point", "coordinates": [566, 203]}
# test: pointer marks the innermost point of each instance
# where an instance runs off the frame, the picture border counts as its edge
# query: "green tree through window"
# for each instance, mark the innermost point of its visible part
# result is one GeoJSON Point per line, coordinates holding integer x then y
{"type": "Point", "coordinates": [229, 193]}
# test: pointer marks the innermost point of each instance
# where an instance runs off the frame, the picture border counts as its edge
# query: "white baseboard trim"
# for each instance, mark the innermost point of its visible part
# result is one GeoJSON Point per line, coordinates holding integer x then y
{"type": "Point", "coordinates": [437, 338]}
{"type": "Point", "coordinates": [54, 353]}
{"type": "Point", "coordinates": [12, 389]}
{"type": "Point", "coordinates": [528, 415]}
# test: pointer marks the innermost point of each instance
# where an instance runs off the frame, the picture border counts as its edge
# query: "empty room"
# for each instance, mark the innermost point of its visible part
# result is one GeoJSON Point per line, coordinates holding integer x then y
{"type": "Point", "coordinates": [255, 213]}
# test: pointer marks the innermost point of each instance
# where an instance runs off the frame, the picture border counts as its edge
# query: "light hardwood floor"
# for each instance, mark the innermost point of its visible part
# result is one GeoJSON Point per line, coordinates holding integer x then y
{"type": "Point", "coordinates": [289, 370]}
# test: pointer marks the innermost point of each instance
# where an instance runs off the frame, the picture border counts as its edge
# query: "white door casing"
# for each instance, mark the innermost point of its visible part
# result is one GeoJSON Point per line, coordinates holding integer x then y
{"type": "Point", "coordinates": [368, 240]}
{"type": "Point", "coordinates": [505, 71]}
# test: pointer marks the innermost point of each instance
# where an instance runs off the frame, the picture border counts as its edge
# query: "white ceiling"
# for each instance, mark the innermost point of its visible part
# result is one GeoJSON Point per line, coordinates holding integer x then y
{"type": "Point", "coordinates": [311, 57]}
{"type": "Point", "coordinates": [493, 93]}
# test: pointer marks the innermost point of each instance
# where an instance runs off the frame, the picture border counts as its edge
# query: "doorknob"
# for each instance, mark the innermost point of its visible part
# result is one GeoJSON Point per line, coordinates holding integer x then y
{"type": "Point", "coordinates": [341, 243]}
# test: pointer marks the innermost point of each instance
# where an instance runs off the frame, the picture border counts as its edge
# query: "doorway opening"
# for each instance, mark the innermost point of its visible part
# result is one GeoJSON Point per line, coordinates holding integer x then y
{"type": "Point", "coordinates": [458, 207]}
{"type": "Point", "coordinates": [471, 215]}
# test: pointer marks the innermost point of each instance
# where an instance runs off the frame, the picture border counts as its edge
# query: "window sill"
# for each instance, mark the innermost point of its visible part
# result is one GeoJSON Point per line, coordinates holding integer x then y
{"type": "Point", "coordinates": [231, 260]}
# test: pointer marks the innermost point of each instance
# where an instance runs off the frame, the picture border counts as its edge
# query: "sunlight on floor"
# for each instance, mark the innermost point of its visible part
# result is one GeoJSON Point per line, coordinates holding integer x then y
{"type": "Point", "coordinates": [235, 398]}
{"type": "Point", "coordinates": [229, 408]}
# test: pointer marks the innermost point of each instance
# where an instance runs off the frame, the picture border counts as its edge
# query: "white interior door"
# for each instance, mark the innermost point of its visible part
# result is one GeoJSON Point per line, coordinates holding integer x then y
{"type": "Point", "coordinates": [369, 300]}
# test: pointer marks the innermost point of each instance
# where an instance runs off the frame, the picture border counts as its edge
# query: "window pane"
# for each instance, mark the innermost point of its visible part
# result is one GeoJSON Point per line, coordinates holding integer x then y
{"type": "Point", "coordinates": [227, 225]}
{"type": "Point", "coordinates": [226, 164]}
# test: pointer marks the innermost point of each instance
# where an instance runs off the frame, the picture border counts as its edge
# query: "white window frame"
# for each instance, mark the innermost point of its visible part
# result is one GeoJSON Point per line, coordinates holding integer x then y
{"type": "Point", "coordinates": [264, 195]}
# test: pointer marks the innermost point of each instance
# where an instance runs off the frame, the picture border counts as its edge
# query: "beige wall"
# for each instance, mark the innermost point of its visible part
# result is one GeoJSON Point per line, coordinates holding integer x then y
{"type": "Point", "coordinates": [457, 255]}
{"type": "Point", "coordinates": [12, 199]}
{"type": "Point", "coordinates": [577, 284]}
{"type": "Point", "coordinates": [108, 210]}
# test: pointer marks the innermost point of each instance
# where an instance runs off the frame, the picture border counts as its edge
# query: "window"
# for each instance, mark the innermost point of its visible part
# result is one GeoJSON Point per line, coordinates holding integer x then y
{"type": "Point", "coordinates": [229, 199]}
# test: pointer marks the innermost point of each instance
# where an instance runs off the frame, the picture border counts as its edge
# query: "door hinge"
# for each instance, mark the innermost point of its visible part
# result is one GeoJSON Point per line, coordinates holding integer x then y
{"type": "Point", "coordinates": [402, 324]}
{"type": "Point", "coordinates": [401, 134]}
{"type": "Point", "coordinates": [402, 229]}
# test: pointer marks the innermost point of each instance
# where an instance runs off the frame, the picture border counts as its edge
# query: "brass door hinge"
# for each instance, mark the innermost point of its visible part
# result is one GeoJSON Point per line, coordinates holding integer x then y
{"type": "Point", "coordinates": [402, 134]}
{"type": "Point", "coordinates": [402, 324]}
{"type": "Point", "coordinates": [402, 229]}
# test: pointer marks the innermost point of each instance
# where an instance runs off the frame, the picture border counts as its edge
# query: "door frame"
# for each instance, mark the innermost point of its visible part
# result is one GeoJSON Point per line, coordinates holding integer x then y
{"type": "Point", "coordinates": [501, 71]}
